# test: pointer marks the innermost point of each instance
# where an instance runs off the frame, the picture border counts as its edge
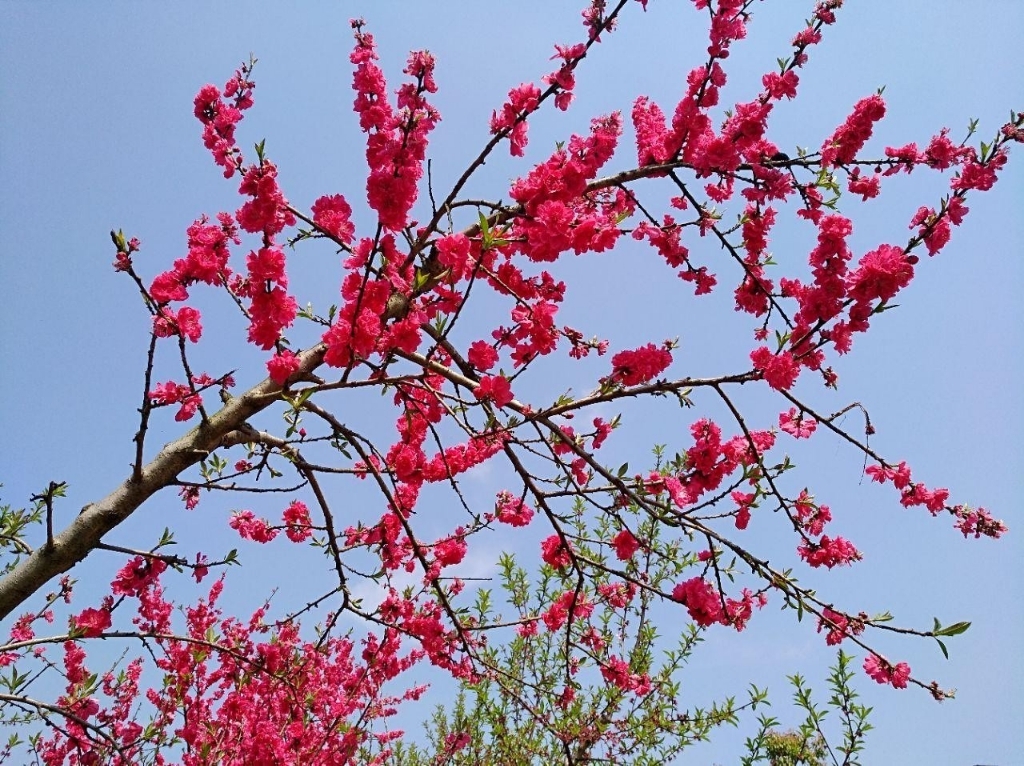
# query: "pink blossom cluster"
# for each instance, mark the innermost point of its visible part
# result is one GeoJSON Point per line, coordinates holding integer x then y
{"type": "Point", "coordinates": [641, 365]}
{"type": "Point", "coordinates": [811, 517]}
{"type": "Point", "coordinates": [557, 216]}
{"type": "Point", "coordinates": [797, 424]}
{"type": "Point", "coordinates": [977, 522]}
{"type": "Point", "coordinates": [563, 80]}
{"type": "Point", "coordinates": [842, 147]}
{"type": "Point", "coordinates": [625, 545]}
{"type": "Point", "coordinates": [396, 140]}
{"type": "Point", "coordinates": [271, 307]}
{"type": "Point", "coordinates": [208, 672]}
{"type": "Point", "coordinates": [616, 671]}
{"type": "Point", "coordinates": [829, 552]}
{"type": "Point", "coordinates": [708, 462]}
{"type": "Point", "coordinates": [913, 494]}
{"type": "Point", "coordinates": [333, 215]}
{"type": "Point", "coordinates": [555, 552]}
{"type": "Point", "coordinates": [184, 322]}
{"type": "Point", "coordinates": [219, 117]}
{"type": "Point", "coordinates": [494, 388]}
{"type": "Point", "coordinates": [884, 672]}
{"type": "Point", "coordinates": [206, 260]}
{"type": "Point", "coordinates": [753, 293]}
{"type": "Point", "coordinates": [423, 622]}
{"type": "Point", "coordinates": [188, 397]}
{"type": "Point", "coordinates": [570, 606]}
{"type": "Point", "coordinates": [667, 240]}
{"type": "Point", "coordinates": [250, 527]}
{"type": "Point", "coordinates": [522, 101]}
{"type": "Point", "coordinates": [839, 626]}
{"type": "Point", "coordinates": [512, 510]}
{"type": "Point", "coordinates": [362, 326]}
{"type": "Point", "coordinates": [708, 607]}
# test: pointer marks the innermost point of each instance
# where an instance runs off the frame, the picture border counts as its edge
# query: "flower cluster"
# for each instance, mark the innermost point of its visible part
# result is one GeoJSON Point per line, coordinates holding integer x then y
{"type": "Point", "coordinates": [563, 80]}
{"type": "Point", "coordinates": [616, 671]}
{"type": "Point", "coordinates": [219, 117]}
{"type": "Point", "coordinates": [708, 607]}
{"type": "Point", "coordinates": [494, 388]}
{"type": "Point", "coordinates": [250, 527]}
{"type": "Point", "coordinates": [557, 215]}
{"type": "Point", "coordinates": [512, 510]}
{"type": "Point", "coordinates": [188, 397]}
{"type": "Point", "coordinates": [709, 461]}
{"type": "Point", "coordinates": [631, 368]}
{"type": "Point", "coordinates": [913, 494]}
{"type": "Point", "coordinates": [334, 216]}
{"type": "Point", "coordinates": [184, 322]}
{"type": "Point", "coordinates": [797, 424]}
{"type": "Point", "coordinates": [829, 552]}
{"type": "Point", "coordinates": [206, 260]}
{"type": "Point", "coordinates": [569, 606]}
{"type": "Point", "coordinates": [839, 626]}
{"type": "Point", "coordinates": [396, 140]}
{"type": "Point", "coordinates": [884, 672]}
{"type": "Point", "coordinates": [522, 101]}
{"type": "Point", "coordinates": [977, 522]}
{"type": "Point", "coordinates": [851, 136]}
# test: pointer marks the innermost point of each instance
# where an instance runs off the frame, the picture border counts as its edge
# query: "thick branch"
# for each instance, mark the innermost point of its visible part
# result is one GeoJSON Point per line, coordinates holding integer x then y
{"type": "Point", "coordinates": [226, 427]}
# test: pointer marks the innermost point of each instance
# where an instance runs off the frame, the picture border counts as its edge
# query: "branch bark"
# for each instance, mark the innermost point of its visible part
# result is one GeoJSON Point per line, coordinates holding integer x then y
{"type": "Point", "coordinates": [226, 427]}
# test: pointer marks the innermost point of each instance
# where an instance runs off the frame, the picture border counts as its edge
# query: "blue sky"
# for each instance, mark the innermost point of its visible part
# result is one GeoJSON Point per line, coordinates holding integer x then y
{"type": "Point", "coordinates": [97, 132]}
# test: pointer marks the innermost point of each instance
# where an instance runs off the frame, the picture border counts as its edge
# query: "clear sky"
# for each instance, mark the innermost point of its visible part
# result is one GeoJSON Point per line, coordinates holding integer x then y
{"type": "Point", "coordinates": [97, 132]}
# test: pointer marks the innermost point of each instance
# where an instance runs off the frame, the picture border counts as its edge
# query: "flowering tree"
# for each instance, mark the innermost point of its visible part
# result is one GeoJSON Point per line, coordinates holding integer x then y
{"type": "Point", "coordinates": [449, 308]}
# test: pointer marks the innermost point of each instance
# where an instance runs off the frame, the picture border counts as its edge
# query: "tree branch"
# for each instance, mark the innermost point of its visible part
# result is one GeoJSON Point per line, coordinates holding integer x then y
{"type": "Point", "coordinates": [224, 428]}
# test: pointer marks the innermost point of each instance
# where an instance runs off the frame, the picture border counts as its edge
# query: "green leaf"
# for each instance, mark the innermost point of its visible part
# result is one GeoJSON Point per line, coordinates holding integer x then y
{"type": "Point", "coordinates": [952, 630]}
{"type": "Point", "coordinates": [942, 646]}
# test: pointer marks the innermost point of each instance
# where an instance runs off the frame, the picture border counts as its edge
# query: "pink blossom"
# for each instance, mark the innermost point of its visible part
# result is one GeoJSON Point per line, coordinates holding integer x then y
{"type": "Point", "coordinates": [829, 552]}
{"type": "Point", "coordinates": [881, 274]}
{"type": "Point", "coordinates": [625, 545]}
{"type": "Point", "coordinates": [184, 322]}
{"type": "Point", "coordinates": [282, 366]}
{"type": "Point", "coordinates": [137, 575]}
{"type": "Point", "coordinates": [851, 136]}
{"type": "Point", "coordinates": [554, 553]}
{"type": "Point", "coordinates": [780, 86]}
{"type": "Point", "coordinates": [977, 522]}
{"type": "Point", "coordinates": [333, 214]}
{"type": "Point", "coordinates": [796, 424]}
{"type": "Point", "coordinates": [297, 521]}
{"type": "Point", "coordinates": [451, 551]}
{"type": "Point", "coordinates": [512, 510]}
{"type": "Point", "coordinates": [631, 368]}
{"type": "Point", "coordinates": [267, 211]}
{"type": "Point", "coordinates": [745, 501]}
{"type": "Point", "coordinates": [652, 134]}
{"type": "Point", "coordinates": [92, 622]}
{"type": "Point", "coordinates": [839, 626]}
{"type": "Point", "coordinates": [482, 355]}
{"type": "Point", "coordinates": [522, 100]}
{"type": "Point", "coordinates": [866, 186]}
{"type": "Point", "coordinates": [884, 672]}
{"type": "Point", "coordinates": [701, 600]}
{"type": "Point", "coordinates": [899, 475]}
{"type": "Point", "coordinates": [780, 370]}
{"type": "Point", "coordinates": [496, 388]}
{"type": "Point", "coordinates": [252, 528]}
